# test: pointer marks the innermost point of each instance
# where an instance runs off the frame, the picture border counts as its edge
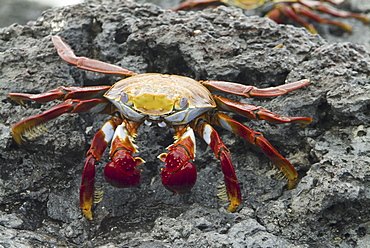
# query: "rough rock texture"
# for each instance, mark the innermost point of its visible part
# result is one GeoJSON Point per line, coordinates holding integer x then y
{"type": "Point", "coordinates": [39, 182]}
{"type": "Point", "coordinates": [19, 11]}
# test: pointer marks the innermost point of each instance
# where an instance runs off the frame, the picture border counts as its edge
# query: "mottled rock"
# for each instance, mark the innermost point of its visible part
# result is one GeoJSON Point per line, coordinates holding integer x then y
{"type": "Point", "coordinates": [39, 182]}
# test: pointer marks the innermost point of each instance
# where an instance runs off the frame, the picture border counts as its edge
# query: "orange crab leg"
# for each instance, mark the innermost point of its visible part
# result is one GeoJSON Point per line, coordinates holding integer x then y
{"type": "Point", "coordinates": [67, 54]}
{"type": "Point", "coordinates": [68, 106]}
{"type": "Point", "coordinates": [257, 112]}
{"type": "Point", "coordinates": [180, 174]}
{"type": "Point", "coordinates": [212, 138]}
{"type": "Point", "coordinates": [252, 91]}
{"type": "Point", "coordinates": [256, 138]}
{"type": "Point", "coordinates": [98, 145]}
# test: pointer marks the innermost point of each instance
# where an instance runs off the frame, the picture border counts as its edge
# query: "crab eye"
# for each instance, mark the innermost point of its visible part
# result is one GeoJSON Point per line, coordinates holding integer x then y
{"type": "Point", "coordinates": [183, 102]}
{"type": "Point", "coordinates": [124, 97]}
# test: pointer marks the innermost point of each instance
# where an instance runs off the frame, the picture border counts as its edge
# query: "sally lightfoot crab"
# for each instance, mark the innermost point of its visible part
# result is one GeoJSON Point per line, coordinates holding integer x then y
{"type": "Point", "coordinates": [174, 101]}
{"type": "Point", "coordinates": [279, 11]}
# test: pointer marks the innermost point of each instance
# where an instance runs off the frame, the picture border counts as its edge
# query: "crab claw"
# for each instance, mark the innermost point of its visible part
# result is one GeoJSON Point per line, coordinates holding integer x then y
{"type": "Point", "coordinates": [122, 172]}
{"type": "Point", "coordinates": [180, 174]}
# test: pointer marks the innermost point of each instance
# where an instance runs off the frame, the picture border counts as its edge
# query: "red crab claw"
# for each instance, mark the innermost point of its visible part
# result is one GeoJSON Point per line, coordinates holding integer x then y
{"type": "Point", "coordinates": [122, 172]}
{"type": "Point", "coordinates": [180, 175]}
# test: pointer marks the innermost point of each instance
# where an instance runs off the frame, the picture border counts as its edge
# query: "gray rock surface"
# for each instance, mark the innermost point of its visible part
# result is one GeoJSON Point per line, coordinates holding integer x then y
{"type": "Point", "coordinates": [20, 11]}
{"type": "Point", "coordinates": [39, 182]}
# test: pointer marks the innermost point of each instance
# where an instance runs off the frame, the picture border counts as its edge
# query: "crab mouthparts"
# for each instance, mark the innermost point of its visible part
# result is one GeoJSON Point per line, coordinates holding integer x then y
{"type": "Point", "coordinates": [149, 122]}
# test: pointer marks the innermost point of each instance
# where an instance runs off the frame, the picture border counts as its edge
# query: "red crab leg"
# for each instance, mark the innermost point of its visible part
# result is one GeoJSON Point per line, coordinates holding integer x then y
{"type": "Point", "coordinates": [98, 145]}
{"type": "Point", "coordinates": [190, 4]}
{"type": "Point", "coordinates": [302, 10]}
{"type": "Point", "coordinates": [320, 6]}
{"type": "Point", "coordinates": [245, 4]}
{"type": "Point", "coordinates": [256, 138]}
{"type": "Point", "coordinates": [212, 138]}
{"type": "Point", "coordinates": [62, 93]}
{"type": "Point", "coordinates": [336, 2]}
{"type": "Point", "coordinates": [179, 174]}
{"type": "Point", "coordinates": [249, 4]}
{"type": "Point", "coordinates": [257, 112]}
{"type": "Point", "coordinates": [67, 54]}
{"type": "Point", "coordinates": [293, 12]}
{"type": "Point", "coordinates": [252, 91]}
{"type": "Point", "coordinates": [68, 106]}
{"type": "Point", "coordinates": [284, 10]}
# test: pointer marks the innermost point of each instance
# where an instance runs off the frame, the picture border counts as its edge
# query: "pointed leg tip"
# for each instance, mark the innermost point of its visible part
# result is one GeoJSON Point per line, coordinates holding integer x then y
{"type": "Point", "coordinates": [232, 208]}
{"type": "Point", "coordinates": [291, 184]}
{"type": "Point", "coordinates": [87, 213]}
{"type": "Point", "coordinates": [18, 139]}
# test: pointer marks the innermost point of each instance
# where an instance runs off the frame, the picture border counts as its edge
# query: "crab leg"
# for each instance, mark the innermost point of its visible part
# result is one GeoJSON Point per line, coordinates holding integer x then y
{"type": "Point", "coordinates": [295, 11]}
{"type": "Point", "coordinates": [67, 54]}
{"type": "Point", "coordinates": [323, 7]}
{"type": "Point", "coordinates": [121, 172]}
{"type": "Point", "coordinates": [98, 145]}
{"type": "Point", "coordinates": [256, 138]}
{"type": "Point", "coordinates": [68, 106]}
{"type": "Point", "coordinates": [300, 9]}
{"type": "Point", "coordinates": [284, 10]}
{"type": "Point", "coordinates": [257, 112]}
{"type": "Point", "coordinates": [303, 7]}
{"type": "Point", "coordinates": [252, 91]}
{"type": "Point", "coordinates": [179, 174]}
{"type": "Point", "coordinates": [245, 4]}
{"type": "Point", "coordinates": [190, 4]}
{"type": "Point", "coordinates": [212, 138]}
{"type": "Point", "coordinates": [62, 93]}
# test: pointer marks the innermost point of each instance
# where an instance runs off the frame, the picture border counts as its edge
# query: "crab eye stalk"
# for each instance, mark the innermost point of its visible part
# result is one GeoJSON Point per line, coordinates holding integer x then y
{"type": "Point", "coordinates": [182, 103]}
{"type": "Point", "coordinates": [124, 97]}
